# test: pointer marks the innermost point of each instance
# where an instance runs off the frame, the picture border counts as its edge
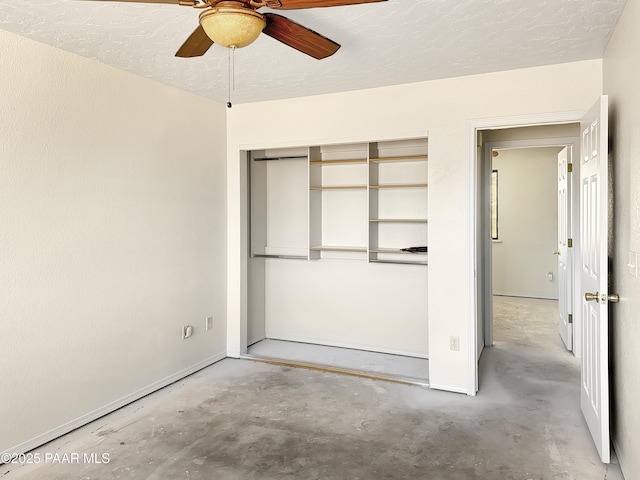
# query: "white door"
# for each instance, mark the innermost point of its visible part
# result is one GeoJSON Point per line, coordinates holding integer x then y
{"type": "Point", "coordinates": [594, 397]}
{"type": "Point", "coordinates": [564, 252]}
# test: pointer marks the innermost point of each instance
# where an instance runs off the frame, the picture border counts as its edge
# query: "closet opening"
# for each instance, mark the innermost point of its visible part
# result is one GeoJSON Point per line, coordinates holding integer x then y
{"type": "Point", "coordinates": [337, 258]}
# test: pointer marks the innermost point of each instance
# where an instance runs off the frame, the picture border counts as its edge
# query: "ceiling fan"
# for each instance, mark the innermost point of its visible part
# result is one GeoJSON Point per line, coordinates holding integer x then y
{"type": "Point", "coordinates": [236, 24]}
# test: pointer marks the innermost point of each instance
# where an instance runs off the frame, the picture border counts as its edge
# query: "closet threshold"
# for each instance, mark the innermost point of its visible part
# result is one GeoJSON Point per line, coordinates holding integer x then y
{"type": "Point", "coordinates": [319, 367]}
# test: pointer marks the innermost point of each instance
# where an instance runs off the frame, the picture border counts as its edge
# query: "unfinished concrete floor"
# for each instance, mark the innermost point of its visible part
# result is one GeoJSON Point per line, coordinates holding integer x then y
{"type": "Point", "coordinates": [244, 420]}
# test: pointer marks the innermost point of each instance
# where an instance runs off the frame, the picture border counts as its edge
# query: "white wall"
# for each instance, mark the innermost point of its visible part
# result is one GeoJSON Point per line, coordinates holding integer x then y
{"type": "Point", "coordinates": [621, 80]}
{"type": "Point", "coordinates": [112, 235]}
{"type": "Point", "coordinates": [444, 109]}
{"type": "Point", "coordinates": [348, 303]}
{"type": "Point", "coordinates": [527, 223]}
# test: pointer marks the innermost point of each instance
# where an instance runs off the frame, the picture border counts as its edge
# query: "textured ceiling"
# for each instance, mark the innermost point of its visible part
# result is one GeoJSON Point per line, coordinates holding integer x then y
{"type": "Point", "coordinates": [393, 42]}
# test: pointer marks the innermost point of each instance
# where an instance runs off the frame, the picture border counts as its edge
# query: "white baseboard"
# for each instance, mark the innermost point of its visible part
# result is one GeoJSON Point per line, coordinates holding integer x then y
{"type": "Point", "coordinates": [111, 407]}
{"type": "Point", "coordinates": [620, 461]}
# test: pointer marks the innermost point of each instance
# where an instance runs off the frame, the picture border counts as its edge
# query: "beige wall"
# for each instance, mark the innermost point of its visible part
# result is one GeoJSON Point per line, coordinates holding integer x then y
{"type": "Point", "coordinates": [443, 109]}
{"type": "Point", "coordinates": [527, 223]}
{"type": "Point", "coordinates": [621, 80]}
{"type": "Point", "coordinates": [112, 235]}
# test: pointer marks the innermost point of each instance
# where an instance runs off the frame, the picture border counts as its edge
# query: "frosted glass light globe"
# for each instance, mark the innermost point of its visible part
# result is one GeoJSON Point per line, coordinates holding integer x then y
{"type": "Point", "coordinates": [232, 26]}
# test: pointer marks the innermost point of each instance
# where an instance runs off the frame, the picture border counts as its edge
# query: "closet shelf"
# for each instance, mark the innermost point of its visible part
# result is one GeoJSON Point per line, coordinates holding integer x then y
{"type": "Point", "coordinates": [290, 257]}
{"type": "Point", "coordinates": [394, 250]}
{"type": "Point", "coordinates": [337, 162]}
{"type": "Point", "coordinates": [326, 248]}
{"type": "Point", "coordinates": [400, 185]}
{"type": "Point", "coordinates": [332, 225]}
{"type": "Point", "coordinates": [339, 187]}
{"type": "Point", "coordinates": [408, 158]}
{"type": "Point", "coordinates": [402, 262]}
{"type": "Point", "coordinates": [398, 220]}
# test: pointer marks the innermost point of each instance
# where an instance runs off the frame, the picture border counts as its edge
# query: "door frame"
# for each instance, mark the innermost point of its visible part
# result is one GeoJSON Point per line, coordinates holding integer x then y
{"type": "Point", "coordinates": [487, 249]}
{"type": "Point", "coordinates": [477, 273]}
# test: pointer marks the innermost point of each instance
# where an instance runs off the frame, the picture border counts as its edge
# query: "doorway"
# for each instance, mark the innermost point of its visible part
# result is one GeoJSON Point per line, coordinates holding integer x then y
{"type": "Point", "coordinates": [589, 218]}
{"type": "Point", "coordinates": [524, 233]}
{"type": "Point", "coordinates": [518, 228]}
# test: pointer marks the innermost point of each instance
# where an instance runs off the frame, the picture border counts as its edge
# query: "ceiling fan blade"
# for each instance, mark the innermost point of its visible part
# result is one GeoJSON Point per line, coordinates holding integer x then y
{"type": "Point", "coordinates": [196, 45]}
{"type": "Point", "coordinates": [293, 4]}
{"type": "Point", "coordinates": [301, 38]}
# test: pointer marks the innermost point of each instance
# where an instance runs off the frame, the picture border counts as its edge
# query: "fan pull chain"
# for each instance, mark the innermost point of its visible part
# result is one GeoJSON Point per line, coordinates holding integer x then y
{"type": "Point", "coordinates": [232, 76]}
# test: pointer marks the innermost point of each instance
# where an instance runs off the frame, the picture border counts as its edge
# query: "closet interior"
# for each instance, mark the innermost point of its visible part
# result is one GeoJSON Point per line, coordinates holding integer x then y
{"type": "Point", "coordinates": [338, 255]}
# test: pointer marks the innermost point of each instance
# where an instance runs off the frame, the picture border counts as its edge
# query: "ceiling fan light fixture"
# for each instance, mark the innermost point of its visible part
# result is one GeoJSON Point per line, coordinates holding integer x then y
{"type": "Point", "coordinates": [232, 26]}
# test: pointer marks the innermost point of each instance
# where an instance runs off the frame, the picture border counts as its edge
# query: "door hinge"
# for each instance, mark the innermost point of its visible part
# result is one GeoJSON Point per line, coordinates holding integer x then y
{"type": "Point", "coordinates": [570, 318]}
{"type": "Point", "coordinates": [570, 243]}
{"type": "Point", "coordinates": [569, 167]}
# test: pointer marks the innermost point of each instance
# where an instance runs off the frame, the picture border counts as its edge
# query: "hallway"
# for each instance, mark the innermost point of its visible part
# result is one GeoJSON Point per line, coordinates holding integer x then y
{"type": "Point", "coordinates": [241, 420]}
{"type": "Point", "coordinates": [527, 321]}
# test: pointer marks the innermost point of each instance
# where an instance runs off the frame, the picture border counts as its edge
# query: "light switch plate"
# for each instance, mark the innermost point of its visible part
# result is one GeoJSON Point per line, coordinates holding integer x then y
{"type": "Point", "coordinates": [633, 264]}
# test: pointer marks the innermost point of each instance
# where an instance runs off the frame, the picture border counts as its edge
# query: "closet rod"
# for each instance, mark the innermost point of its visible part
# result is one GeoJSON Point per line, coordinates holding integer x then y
{"type": "Point", "coordinates": [268, 159]}
{"type": "Point", "coordinates": [290, 257]}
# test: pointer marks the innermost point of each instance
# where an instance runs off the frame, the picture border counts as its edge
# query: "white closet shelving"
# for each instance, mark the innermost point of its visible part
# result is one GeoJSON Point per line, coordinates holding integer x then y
{"type": "Point", "coordinates": [398, 201]}
{"type": "Point", "coordinates": [363, 201]}
{"type": "Point", "coordinates": [338, 201]}
{"type": "Point", "coordinates": [348, 211]}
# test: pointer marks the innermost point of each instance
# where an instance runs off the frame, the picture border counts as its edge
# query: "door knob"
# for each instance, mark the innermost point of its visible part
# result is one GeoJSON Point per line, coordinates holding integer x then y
{"type": "Point", "coordinates": [611, 298]}
{"type": "Point", "coordinates": [556, 252]}
{"type": "Point", "coordinates": [590, 297]}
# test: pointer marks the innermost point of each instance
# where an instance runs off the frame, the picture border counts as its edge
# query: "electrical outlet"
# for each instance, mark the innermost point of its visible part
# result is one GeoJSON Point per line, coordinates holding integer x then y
{"type": "Point", "coordinates": [454, 343]}
{"type": "Point", "coordinates": [209, 323]}
{"type": "Point", "coordinates": [187, 331]}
